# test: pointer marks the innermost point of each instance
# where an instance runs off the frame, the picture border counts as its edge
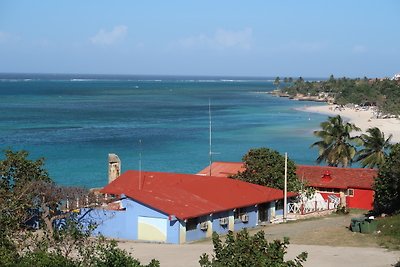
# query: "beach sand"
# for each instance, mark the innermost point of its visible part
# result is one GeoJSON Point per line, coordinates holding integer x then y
{"type": "Point", "coordinates": [363, 119]}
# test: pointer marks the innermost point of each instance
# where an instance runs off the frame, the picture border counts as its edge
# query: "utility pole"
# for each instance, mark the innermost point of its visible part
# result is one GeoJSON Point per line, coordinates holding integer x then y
{"type": "Point", "coordinates": [285, 192]}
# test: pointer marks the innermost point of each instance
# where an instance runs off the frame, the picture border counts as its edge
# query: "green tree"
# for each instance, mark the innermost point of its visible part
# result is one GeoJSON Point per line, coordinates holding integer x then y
{"type": "Point", "coordinates": [384, 94]}
{"type": "Point", "coordinates": [375, 145]}
{"type": "Point", "coordinates": [249, 251]}
{"type": "Point", "coordinates": [45, 259]}
{"type": "Point", "coordinates": [336, 147]}
{"type": "Point", "coordinates": [266, 167]}
{"type": "Point", "coordinates": [277, 82]}
{"type": "Point", "coordinates": [300, 80]}
{"type": "Point", "coordinates": [387, 184]}
{"type": "Point", "coordinates": [27, 193]}
{"type": "Point", "coordinates": [18, 176]}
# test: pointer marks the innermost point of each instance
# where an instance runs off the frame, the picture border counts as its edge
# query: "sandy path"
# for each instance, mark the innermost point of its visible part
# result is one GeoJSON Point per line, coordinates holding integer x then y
{"type": "Point", "coordinates": [188, 255]}
{"type": "Point", "coordinates": [340, 246]}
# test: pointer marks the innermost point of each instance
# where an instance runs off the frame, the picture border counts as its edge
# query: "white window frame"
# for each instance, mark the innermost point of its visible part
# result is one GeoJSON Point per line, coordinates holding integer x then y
{"type": "Point", "coordinates": [348, 192]}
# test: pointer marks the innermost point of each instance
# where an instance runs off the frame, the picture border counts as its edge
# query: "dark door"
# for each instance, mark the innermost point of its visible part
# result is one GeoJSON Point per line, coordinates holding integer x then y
{"type": "Point", "coordinates": [263, 212]}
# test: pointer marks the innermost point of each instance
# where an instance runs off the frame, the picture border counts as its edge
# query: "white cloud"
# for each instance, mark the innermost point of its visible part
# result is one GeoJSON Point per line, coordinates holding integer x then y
{"type": "Point", "coordinates": [104, 37]}
{"type": "Point", "coordinates": [359, 49]}
{"type": "Point", "coordinates": [221, 39]}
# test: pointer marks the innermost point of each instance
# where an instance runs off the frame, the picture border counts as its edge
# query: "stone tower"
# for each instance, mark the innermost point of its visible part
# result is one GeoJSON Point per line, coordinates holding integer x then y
{"type": "Point", "coordinates": [114, 167]}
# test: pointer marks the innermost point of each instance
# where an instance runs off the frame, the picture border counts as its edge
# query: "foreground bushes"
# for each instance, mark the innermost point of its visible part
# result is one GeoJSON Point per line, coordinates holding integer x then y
{"type": "Point", "coordinates": [245, 250]}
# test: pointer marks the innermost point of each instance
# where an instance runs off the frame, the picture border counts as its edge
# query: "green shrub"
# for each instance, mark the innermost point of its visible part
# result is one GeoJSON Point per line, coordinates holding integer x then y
{"type": "Point", "coordinates": [46, 259]}
{"type": "Point", "coordinates": [109, 255]}
{"type": "Point", "coordinates": [387, 184]}
{"type": "Point", "coordinates": [249, 251]}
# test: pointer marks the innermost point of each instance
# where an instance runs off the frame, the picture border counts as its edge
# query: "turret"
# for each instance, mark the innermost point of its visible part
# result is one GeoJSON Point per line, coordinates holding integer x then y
{"type": "Point", "coordinates": [114, 167]}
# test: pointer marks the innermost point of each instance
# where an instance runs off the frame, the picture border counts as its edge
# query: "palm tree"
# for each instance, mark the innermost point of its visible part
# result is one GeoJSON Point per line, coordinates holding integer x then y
{"type": "Point", "coordinates": [336, 146]}
{"type": "Point", "coordinates": [373, 154]}
{"type": "Point", "coordinates": [277, 82]}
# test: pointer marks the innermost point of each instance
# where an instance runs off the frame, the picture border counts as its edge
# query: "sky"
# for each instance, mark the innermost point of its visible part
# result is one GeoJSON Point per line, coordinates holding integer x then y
{"type": "Point", "coordinates": [287, 38]}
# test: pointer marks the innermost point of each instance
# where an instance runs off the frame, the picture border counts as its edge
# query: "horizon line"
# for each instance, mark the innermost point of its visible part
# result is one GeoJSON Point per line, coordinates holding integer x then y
{"type": "Point", "coordinates": [178, 75]}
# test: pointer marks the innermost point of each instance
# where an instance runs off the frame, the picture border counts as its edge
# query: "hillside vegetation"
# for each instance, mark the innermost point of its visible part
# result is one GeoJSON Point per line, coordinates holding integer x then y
{"type": "Point", "coordinates": [385, 93]}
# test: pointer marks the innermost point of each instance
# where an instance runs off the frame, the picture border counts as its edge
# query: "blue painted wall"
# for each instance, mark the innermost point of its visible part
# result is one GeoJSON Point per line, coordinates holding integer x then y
{"type": "Point", "coordinates": [197, 234]}
{"type": "Point", "coordinates": [216, 226]}
{"type": "Point", "coordinates": [173, 231]}
{"type": "Point", "coordinates": [253, 219]}
{"type": "Point", "coordinates": [124, 224]}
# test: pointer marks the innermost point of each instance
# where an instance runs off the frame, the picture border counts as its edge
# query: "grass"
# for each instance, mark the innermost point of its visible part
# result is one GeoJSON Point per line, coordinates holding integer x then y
{"type": "Point", "coordinates": [332, 230]}
{"type": "Point", "coordinates": [389, 232]}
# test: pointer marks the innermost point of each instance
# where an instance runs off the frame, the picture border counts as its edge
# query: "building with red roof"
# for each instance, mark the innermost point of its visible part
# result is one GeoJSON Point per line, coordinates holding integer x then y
{"type": "Point", "coordinates": [177, 208]}
{"type": "Point", "coordinates": [352, 184]}
{"type": "Point", "coordinates": [223, 169]}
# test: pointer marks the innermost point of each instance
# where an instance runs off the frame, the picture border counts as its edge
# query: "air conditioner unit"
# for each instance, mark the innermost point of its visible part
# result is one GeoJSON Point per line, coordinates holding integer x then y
{"type": "Point", "coordinates": [245, 218]}
{"type": "Point", "coordinates": [223, 221]}
{"type": "Point", "coordinates": [204, 226]}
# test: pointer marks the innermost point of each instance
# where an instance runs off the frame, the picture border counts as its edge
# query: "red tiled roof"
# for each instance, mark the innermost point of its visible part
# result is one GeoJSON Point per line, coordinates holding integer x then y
{"type": "Point", "coordinates": [188, 195]}
{"type": "Point", "coordinates": [342, 178]}
{"type": "Point", "coordinates": [223, 169]}
{"type": "Point", "coordinates": [334, 177]}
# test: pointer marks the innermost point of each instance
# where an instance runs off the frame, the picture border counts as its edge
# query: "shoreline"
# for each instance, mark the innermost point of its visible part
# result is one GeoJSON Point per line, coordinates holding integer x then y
{"type": "Point", "coordinates": [363, 119]}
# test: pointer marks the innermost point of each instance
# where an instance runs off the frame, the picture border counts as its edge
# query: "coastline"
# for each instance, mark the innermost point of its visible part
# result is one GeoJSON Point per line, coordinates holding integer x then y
{"type": "Point", "coordinates": [363, 119]}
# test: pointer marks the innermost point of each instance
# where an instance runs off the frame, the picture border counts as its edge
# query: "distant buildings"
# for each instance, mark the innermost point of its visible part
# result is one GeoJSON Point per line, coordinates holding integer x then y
{"type": "Point", "coordinates": [396, 77]}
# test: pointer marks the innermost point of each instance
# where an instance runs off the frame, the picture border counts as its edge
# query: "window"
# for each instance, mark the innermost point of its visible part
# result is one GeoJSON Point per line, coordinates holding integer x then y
{"type": "Point", "coordinates": [350, 192]}
{"type": "Point", "coordinates": [237, 214]}
{"type": "Point", "coordinates": [191, 224]}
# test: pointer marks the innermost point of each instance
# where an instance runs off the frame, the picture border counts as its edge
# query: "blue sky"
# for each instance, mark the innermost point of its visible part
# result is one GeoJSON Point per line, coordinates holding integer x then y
{"type": "Point", "coordinates": [236, 38]}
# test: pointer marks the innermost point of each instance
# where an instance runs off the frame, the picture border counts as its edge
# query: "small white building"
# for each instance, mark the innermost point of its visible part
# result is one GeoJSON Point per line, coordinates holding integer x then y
{"type": "Point", "coordinates": [396, 77]}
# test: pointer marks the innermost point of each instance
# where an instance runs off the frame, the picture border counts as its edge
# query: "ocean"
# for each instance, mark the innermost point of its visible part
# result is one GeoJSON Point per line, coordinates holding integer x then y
{"type": "Point", "coordinates": [75, 121]}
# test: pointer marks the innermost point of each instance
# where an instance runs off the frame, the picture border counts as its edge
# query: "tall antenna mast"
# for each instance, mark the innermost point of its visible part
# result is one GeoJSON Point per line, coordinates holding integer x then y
{"type": "Point", "coordinates": [210, 130]}
{"type": "Point", "coordinates": [140, 164]}
{"type": "Point", "coordinates": [210, 153]}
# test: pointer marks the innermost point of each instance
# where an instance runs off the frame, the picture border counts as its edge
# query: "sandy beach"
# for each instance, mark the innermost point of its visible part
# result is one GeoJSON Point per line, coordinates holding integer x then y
{"type": "Point", "coordinates": [363, 119]}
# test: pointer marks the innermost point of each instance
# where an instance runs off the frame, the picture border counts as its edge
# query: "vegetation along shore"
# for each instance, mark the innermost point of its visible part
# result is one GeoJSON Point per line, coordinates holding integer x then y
{"type": "Point", "coordinates": [365, 102]}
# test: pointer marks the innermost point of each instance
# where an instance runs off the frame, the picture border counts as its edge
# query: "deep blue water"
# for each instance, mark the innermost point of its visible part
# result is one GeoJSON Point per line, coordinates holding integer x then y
{"type": "Point", "coordinates": [74, 121]}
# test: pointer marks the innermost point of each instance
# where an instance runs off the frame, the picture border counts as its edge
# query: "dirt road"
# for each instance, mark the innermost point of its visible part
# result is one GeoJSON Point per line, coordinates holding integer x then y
{"type": "Point", "coordinates": [327, 241]}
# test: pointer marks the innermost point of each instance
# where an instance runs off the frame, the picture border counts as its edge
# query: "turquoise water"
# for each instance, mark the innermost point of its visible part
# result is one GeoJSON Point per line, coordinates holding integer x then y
{"type": "Point", "coordinates": [74, 121]}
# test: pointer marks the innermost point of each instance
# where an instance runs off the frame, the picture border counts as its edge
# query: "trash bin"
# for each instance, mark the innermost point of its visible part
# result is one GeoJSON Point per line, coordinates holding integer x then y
{"type": "Point", "coordinates": [368, 226]}
{"type": "Point", "coordinates": [373, 225]}
{"type": "Point", "coordinates": [355, 224]}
